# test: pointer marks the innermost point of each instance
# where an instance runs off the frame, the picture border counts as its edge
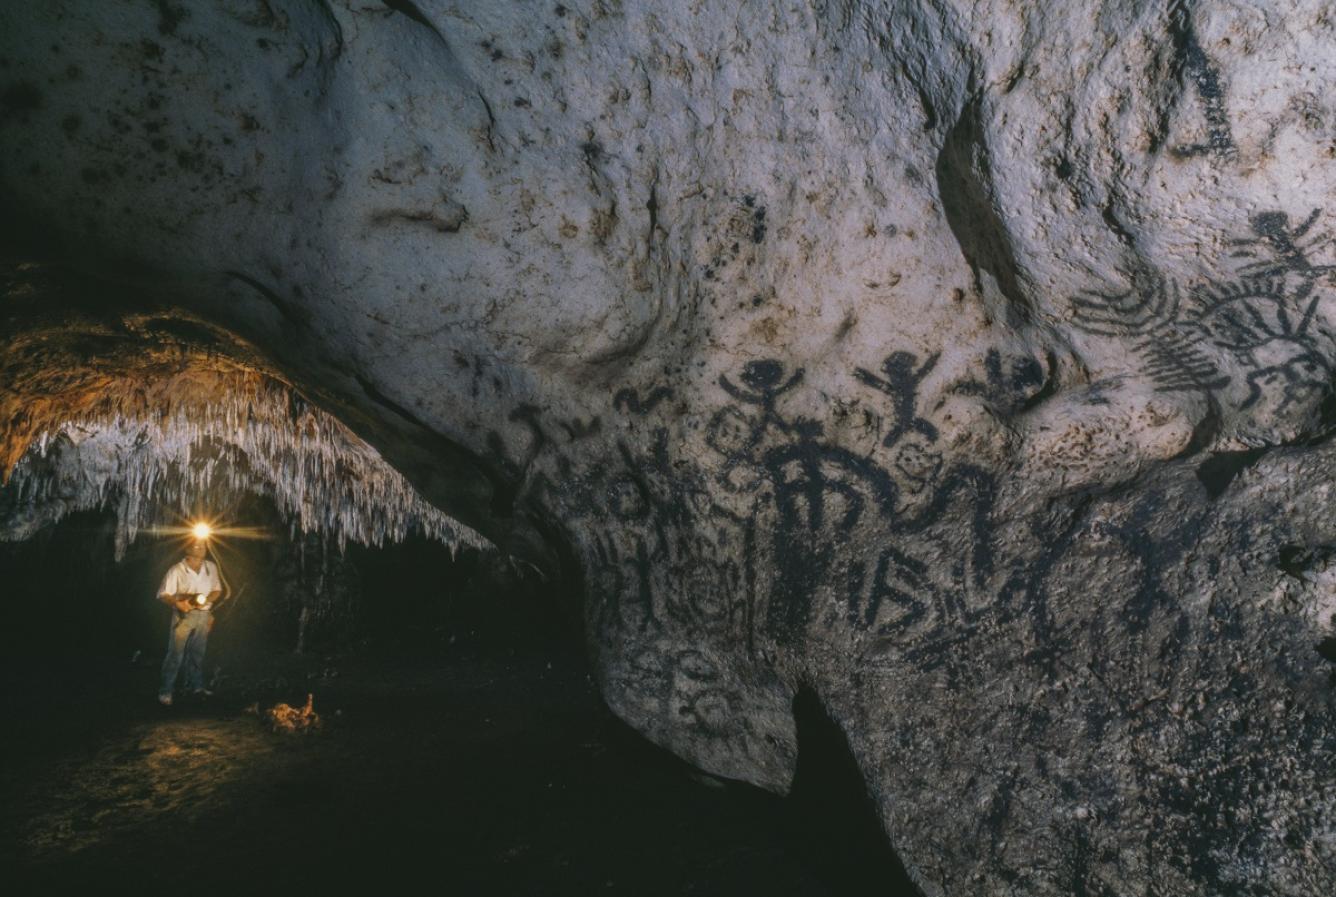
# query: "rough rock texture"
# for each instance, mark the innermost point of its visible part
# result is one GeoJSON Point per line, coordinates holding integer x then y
{"type": "Point", "coordinates": [969, 363]}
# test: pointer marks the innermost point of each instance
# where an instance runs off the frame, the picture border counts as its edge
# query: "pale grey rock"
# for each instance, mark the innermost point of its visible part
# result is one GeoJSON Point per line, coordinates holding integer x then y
{"type": "Point", "coordinates": [967, 363]}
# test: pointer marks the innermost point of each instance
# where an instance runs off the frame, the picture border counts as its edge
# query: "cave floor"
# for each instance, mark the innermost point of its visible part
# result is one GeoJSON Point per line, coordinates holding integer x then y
{"type": "Point", "coordinates": [469, 774]}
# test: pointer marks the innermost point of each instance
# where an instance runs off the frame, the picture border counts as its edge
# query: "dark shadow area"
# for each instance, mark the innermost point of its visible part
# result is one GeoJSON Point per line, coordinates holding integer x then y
{"type": "Point", "coordinates": [463, 746]}
{"type": "Point", "coordinates": [1220, 469]}
{"type": "Point", "coordinates": [832, 821]}
{"type": "Point", "coordinates": [964, 185]}
{"type": "Point", "coordinates": [1300, 562]}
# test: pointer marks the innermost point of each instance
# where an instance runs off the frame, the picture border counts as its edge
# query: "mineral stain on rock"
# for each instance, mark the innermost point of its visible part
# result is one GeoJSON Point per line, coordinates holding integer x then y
{"type": "Point", "coordinates": [170, 16]}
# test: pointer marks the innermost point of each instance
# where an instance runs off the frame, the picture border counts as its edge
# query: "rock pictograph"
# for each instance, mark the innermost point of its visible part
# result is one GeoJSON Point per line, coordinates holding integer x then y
{"type": "Point", "coordinates": [970, 364]}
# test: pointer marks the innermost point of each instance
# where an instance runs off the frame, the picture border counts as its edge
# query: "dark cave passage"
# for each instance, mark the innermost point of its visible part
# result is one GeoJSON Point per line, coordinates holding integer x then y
{"type": "Point", "coordinates": [832, 817]}
{"type": "Point", "coordinates": [464, 745]}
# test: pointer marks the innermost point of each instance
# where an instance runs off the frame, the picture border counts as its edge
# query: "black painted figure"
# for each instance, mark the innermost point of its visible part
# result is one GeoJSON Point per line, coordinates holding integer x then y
{"type": "Point", "coordinates": [1011, 390]}
{"type": "Point", "coordinates": [1192, 63]}
{"type": "Point", "coordinates": [1290, 248]}
{"type": "Point", "coordinates": [736, 434]}
{"type": "Point", "coordinates": [1262, 319]}
{"type": "Point", "coordinates": [764, 386]}
{"type": "Point", "coordinates": [903, 375]}
{"type": "Point", "coordinates": [629, 400]}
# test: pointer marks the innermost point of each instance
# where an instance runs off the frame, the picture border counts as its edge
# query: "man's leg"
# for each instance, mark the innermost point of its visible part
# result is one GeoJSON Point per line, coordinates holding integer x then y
{"type": "Point", "coordinates": [199, 640]}
{"type": "Point", "coordinates": [178, 632]}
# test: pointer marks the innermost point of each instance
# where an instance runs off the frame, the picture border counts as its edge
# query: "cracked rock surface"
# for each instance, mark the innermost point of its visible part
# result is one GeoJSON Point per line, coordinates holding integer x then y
{"type": "Point", "coordinates": [970, 363]}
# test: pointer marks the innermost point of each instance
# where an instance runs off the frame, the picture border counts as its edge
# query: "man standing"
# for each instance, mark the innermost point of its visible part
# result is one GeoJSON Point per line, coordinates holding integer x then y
{"type": "Point", "coordinates": [190, 588]}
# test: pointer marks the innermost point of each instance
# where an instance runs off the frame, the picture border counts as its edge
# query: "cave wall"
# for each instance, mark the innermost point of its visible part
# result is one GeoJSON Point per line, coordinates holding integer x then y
{"type": "Point", "coordinates": [968, 364]}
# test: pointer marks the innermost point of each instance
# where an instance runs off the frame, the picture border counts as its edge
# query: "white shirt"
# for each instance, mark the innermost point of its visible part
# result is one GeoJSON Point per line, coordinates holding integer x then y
{"type": "Point", "coordinates": [180, 578]}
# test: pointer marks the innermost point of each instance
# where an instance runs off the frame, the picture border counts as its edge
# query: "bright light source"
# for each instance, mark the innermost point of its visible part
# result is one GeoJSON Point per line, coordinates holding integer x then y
{"type": "Point", "coordinates": [201, 530]}
{"type": "Point", "coordinates": [202, 598]}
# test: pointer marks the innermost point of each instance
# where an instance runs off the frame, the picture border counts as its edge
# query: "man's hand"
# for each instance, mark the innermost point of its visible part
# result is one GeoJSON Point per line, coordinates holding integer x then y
{"type": "Point", "coordinates": [183, 605]}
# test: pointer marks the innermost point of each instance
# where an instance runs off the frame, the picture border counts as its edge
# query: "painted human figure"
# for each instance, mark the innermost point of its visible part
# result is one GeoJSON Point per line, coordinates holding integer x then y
{"type": "Point", "coordinates": [901, 383]}
{"type": "Point", "coordinates": [763, 383]}
{"type": "Point", "coordinates": [736, 434]}
{"type": "Point", "coordinates": [191, 588]}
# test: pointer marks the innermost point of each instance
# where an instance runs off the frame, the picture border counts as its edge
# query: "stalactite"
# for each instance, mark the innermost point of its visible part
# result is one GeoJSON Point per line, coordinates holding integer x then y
{"type": "Point", "coordinates": [257, 438]}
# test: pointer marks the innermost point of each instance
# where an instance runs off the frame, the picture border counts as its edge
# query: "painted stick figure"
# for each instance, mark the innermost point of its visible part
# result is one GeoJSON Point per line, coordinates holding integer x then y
{"type": "Point", "coordinates": [901, 385]}
{"type": "Point", "coordinates": [763, 386]}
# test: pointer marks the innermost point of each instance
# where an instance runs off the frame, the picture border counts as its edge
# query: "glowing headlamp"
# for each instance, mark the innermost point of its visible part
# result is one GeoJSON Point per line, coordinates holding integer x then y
{"type": "Point", "coordinates": [202, 530]}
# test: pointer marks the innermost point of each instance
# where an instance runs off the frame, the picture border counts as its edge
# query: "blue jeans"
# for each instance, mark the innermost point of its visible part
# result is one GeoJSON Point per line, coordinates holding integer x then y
{"type": "Point", "coordinates": [187, 637]}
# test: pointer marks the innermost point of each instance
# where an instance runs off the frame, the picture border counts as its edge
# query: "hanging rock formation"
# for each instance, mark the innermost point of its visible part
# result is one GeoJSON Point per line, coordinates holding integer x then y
{"type": "Point", "coordinates": [970, 363]}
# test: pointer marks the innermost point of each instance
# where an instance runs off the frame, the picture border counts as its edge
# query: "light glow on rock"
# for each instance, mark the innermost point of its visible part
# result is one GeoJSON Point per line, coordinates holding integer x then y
{"type": "Point", "coordinates": [262, 439]}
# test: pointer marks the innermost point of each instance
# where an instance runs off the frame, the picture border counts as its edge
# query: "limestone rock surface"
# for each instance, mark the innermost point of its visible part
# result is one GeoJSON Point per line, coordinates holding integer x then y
{"type": "Point", "coordinates": [968, 363]}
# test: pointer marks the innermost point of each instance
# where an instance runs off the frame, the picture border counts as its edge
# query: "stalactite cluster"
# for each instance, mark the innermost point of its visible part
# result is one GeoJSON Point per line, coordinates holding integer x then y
{"type": "Point", "coordinates": [258, 437]}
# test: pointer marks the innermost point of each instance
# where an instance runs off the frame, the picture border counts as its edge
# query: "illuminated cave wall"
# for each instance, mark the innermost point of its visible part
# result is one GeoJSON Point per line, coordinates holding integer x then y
{"type": "Point", "coordinates": [967, 364]}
